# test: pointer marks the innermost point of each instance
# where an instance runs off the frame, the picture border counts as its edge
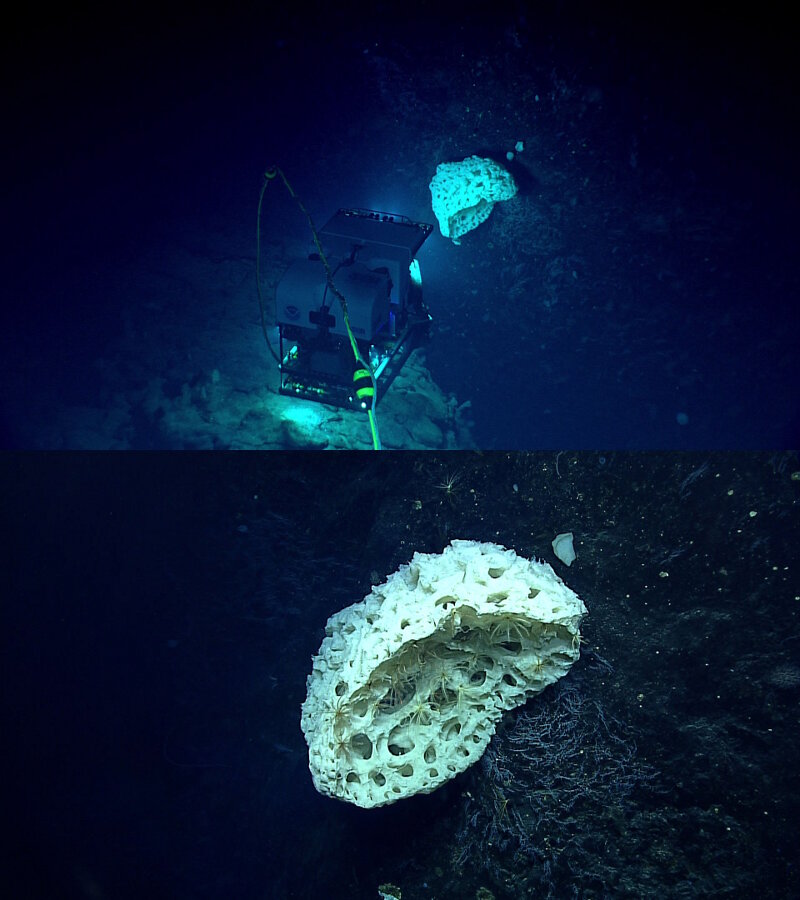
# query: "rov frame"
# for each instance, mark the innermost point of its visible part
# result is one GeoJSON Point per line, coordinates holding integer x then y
{"type": "Point", "coordinates": [372, 259]}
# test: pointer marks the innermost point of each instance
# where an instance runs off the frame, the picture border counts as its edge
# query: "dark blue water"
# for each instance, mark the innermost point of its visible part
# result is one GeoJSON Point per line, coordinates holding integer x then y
{"type": "Point", "coordinates": [638, 292]}
{"type": "Point", "coordinates": [159, 616]}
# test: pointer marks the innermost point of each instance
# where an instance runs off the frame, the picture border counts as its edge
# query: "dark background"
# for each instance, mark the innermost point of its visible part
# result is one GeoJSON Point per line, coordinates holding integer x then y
{"type": "Point", "coordinates": [160, 612]}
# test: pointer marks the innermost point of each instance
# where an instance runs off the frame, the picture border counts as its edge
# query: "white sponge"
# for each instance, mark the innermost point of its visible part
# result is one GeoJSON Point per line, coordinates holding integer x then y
{"type": "Point", "coordinates": [464, 193]}
{"type": "Point", "coordinates": [409, 684]}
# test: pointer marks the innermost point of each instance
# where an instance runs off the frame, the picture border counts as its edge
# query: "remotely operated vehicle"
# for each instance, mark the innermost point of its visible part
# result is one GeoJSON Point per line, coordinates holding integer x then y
{"type": "Point", "coordinates": [351, 313]}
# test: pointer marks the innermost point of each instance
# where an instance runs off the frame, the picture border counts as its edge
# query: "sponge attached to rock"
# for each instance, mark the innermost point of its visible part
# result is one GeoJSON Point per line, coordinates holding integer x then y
{"type": "Point", "coordinates": [464, 193]}
{"type": "Point", "coordinates": [409, 684]}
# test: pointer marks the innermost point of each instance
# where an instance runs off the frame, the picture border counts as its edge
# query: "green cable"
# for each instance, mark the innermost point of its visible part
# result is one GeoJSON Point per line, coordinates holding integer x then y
{"type": "Point", "coordinates": [373, 424]}
{"type": "Point", "coordinates": [269, 175]}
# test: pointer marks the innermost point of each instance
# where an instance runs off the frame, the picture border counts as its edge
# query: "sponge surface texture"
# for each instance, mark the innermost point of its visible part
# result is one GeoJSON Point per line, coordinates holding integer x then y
{"type": "Point", "coordinates": [464, 193]}
{"type": "Point", "coordinates": [409, 684]}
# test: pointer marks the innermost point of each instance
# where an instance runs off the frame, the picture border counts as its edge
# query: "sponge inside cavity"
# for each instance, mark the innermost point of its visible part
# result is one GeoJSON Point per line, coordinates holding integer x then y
{"type": "Point", "coordinates": [464, 193]}
{"type": "Point", "coordinates": [409, 684]}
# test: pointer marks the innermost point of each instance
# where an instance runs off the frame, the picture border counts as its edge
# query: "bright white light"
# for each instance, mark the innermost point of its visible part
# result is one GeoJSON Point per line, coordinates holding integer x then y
{"type": "Point", "coordinates": [305, 417]}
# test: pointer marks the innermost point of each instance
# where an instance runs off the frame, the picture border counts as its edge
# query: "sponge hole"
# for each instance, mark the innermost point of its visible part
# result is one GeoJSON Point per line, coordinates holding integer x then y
{"type": "Point", "coordinates": [361, 745]}
{"type": "Point", "coordinates": [430, 754]}
{"type": "Point", "coordinates": [451, 730]}
{"type": "Point", "coordinates": [378, 777]}
{"type": "Point", "coordinates": [399, 741]}
{"type": "Point", "coordinates": [360, 707]}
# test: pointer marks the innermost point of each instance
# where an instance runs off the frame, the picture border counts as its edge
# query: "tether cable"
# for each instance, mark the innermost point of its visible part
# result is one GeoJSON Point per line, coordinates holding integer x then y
{"type": "Point", "coordinates": [270, 175]}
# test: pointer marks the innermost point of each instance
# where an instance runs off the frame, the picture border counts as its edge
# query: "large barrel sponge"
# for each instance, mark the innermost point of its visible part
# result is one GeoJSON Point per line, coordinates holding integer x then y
{"type": "Point", "coordinates": [410, 683]}
{"type": "Point", "coordinates": [464, 193]}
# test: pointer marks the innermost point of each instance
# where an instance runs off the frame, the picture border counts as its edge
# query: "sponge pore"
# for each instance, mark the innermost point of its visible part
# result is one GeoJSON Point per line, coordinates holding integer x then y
{"type": "Point", "coordinates": [409, 684]}
{"type": "Point", "coordinates": [464, 193]}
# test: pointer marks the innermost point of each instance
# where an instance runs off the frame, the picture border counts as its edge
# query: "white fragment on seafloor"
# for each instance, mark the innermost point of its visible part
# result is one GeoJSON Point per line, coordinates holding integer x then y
{"type": "Point", "coordinates": [563, 548]}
